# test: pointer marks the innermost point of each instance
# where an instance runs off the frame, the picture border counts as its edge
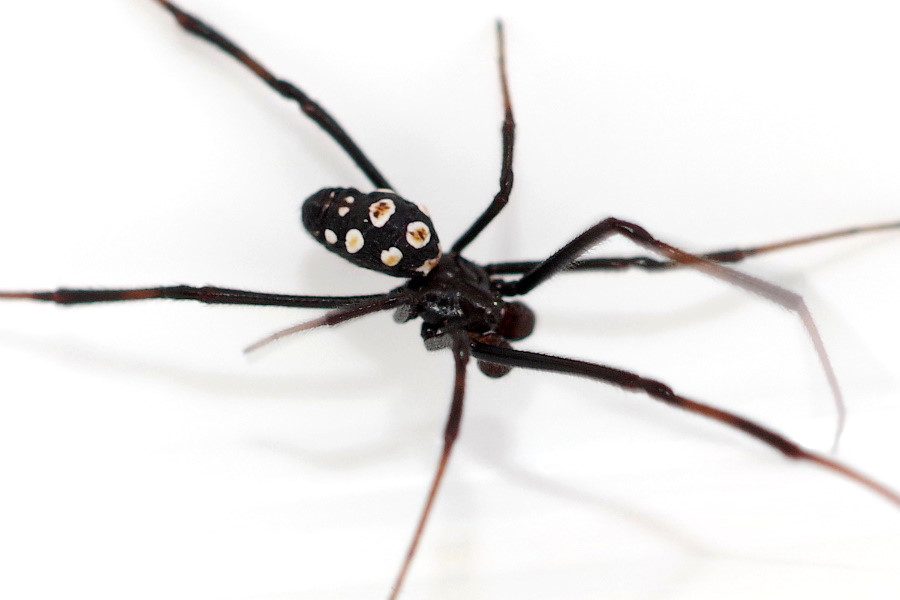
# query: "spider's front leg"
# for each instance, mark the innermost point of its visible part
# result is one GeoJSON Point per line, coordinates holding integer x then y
{"type": "Point", "coordinates": [731, 255]}
{"type": "Point", "coordinates": [566, 255]}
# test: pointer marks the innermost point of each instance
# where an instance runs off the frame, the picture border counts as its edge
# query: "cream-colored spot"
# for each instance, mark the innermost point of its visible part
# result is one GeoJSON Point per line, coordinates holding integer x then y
{"type": "Point", "coordinates": [391, 256]}
{"type": "Point", "coordinates": [349, 199]}
{"type": "Point", "coordinates": [330, 236]}
{"type": "Point", "coordinates": [424, 209]}
{"type": "Point", "coordinates": [354, 241]}
{"type": "Point", "coordinates": [418, 234]}
{"type": "Point", "coordinates": [428, 265]}
{"type": "Point", "coordinates": [342, 211]}
{"type": "Point", "coordinates": [380, 212]}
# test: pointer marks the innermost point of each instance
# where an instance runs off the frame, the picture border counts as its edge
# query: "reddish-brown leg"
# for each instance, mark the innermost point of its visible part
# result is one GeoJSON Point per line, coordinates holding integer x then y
{"type": "Point", "coordinates": [206, 294]}
{"type": "Point", "coordinates": [387, 301]}
{"type": "Point", "coordinates": [506, 172]}
{"type": "Point", "coordinates": [660, 391]}
{"type": "Point", "coordinates": [720, 256]}
{"type": "Point", "coordinates": [309, 107]}
{"type": "Point", "coordinates": [460, 349]}
{"type": "Point", "coordinates": [563, 257]}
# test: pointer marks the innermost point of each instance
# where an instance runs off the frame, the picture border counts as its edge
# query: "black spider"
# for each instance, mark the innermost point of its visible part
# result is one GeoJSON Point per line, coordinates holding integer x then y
{"type": "Point", "coordinates": [465, 306]}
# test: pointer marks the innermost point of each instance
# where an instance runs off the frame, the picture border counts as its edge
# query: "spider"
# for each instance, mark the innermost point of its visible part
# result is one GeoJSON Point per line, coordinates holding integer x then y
{"type": "Point", "coordinates": [465, 307]}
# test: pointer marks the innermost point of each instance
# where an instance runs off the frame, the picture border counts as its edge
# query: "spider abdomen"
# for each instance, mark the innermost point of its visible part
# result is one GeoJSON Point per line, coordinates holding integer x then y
{"type": "Point", "coordinates": [379, 230]}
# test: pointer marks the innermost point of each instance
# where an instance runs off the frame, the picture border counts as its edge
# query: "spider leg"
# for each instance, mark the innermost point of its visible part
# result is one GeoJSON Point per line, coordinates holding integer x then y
{"type": "Point", "coordinates": [460, 349]}
{"type": "Point", "coordinates": [659, 391]}
{"type": "Point", "coordinates": [563, 257]}
{"type": "Point", "coordinates": [388, 301]}
{"type": "Point", "coordinates": [206, 294]}
{"type": "Point", "coordinates": [285, 88]}
{"type": "Point", "coordinates": [719, 256]}
{"type": "Point", "coordinates": [506, 172]}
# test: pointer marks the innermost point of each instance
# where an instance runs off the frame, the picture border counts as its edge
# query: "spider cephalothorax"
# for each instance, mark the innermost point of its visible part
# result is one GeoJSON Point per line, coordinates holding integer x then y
{"type": "Point", "coordinates": [460, 296]}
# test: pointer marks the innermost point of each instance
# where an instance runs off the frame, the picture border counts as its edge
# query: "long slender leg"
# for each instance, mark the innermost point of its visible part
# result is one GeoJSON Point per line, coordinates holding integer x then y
{"type": "Point", "coordinates": [506, 172]}
{"type": "Point", "coordinates": [285, 88]}
{"type": "Point", "coordinates": [388, 301]}
{"type": "Point", "coordinates": [596, 234]}
{"type": "Point", "coordinates": [206, 294]}
{"type": "Point", "coordinates": [451, 431]}
{"type": "Point", "coordinates": [660, 391]}
{"type": "Point", "coordinates": [719, 256]}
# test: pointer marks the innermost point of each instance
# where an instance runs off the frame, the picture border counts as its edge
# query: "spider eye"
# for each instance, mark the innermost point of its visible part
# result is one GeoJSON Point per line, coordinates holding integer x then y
{"type": "Point", "coordinates": [380, 230]}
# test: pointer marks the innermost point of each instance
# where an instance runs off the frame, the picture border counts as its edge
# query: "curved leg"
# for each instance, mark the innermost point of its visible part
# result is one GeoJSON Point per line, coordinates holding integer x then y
{"type": "Point", "coordinates": [660, 391]}
{"type": "Point", "coordinates": [506, 172]}
{"type": "Point", "coordinates": [285, 88]}
{"type": "Point", "coordinates": [719, 256]}
{"type": "Point", "coordinates": [206, 294]}
{"type": "Point", "coordinates": [563, 257]}
{"type": "Point", "coordinates": [451, 432]}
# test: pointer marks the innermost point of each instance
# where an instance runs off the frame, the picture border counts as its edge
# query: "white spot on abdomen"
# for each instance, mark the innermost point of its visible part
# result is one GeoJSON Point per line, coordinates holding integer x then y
{"type": "Point", "coordinates": [330, 236]}
{"type": "Point", "coordinates": [342, 211]}
{"type": "Point", "coordinates": [380, 212]}
{"type": "Point", "coordinates": [418, 234]}
{"type": "Point", "coordinates": [354, 241]}
{"type": "Point", "coordinates": [391, 256]}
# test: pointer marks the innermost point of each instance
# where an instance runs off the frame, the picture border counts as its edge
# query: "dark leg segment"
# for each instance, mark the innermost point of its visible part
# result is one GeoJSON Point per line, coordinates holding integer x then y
{"type": "Point", "coordinates": [602, 230]}
{"type": "Point", "coordinates": [208, 295]}
{"type": "Point", "coordinates": [719, 256]}
{"type": "Point", "coordinates": [660, 391]}
{"type": "Point", "coordinates": [451, 431]}
{"type": "Point", "coordinates": [506, 172]}
{"type": "Point", "coordinates": [285, 88]}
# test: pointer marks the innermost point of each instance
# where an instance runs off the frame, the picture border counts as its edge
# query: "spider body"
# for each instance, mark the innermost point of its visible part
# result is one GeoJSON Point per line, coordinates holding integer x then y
{"type": "Point", "coordinates": [459, 295]}
{"type": "Point", "coordinates": [465, 306]}
{"type": "Point", "coordinates": [384, 232]}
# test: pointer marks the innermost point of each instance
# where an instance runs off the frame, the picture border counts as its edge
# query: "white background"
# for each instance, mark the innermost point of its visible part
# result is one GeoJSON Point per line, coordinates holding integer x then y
{"type": "Point", "coordinates": [143, 456]}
